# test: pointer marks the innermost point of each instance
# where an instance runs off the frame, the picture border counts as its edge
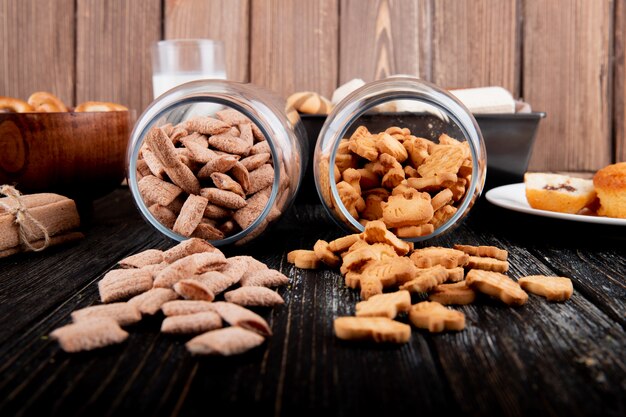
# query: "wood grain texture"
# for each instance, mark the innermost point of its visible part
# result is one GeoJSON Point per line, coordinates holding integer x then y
{"type": "Point", "coordinates": [225, 20]}
{"type": "Point", "coordinates": [476, 43]}
{"type": "Point", "coordinates": [37, 48]}
{"type": "Point", "coordinates": [379, 38]}
{"type": "Point", "coordinates": [113, 47]}
{"type": "Point", "coordinates": [619, 82]}
{"type": "Point", "coordinates": [567, 47]}
{"type": "Point", "coordinates": [294, 45]}
{"type": "Point", "coordinates": [542, 358]}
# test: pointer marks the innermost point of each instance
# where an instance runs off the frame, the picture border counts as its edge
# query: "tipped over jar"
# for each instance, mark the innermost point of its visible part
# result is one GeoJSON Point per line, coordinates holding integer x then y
{"type": "Point", "coordinates": [216, 160]}
{"type": "Point", "coordinates": [403, 151]}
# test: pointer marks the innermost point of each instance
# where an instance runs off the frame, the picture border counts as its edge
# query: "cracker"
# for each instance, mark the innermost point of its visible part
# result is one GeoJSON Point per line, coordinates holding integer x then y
{"type": "Point", "coordinates": [487, 264]}
{"type": "Point", "coordinates": [455, 274]}
{"type": "Point", "coordinates": [434, 255]}
{"type": "Point", "coordinates": [552, 288]}
{"type": "Point", "coordinates": [384, 305]}
{"type": "Point", "coordinates": [415, 231]}
{"type": "Point", "coordinates": [442, 215]}
{"type": "Point", "coordinates": [226, 342]}
{"type": "Point", "coordinates": [89, 334]}
{"type": "Point", "coordinates": [457, 293]}
{"type": "Point", "coordinates": [370, 286]}
{"type": "Point", "coordinates": [151, 301]}
{"type": "Point", "coordinates": [191, 323]}
{"type": "Point", "coordinates": [141, 259]}
{"type": "Point", "coordinates": [254, 297]}
{"type": "Point", "coordinates": [324, 254]}
{"type": "Point", "coordinates": [304, 259]}
{"type": "Point", "coordinates": [444, 158]}
{"type": "Point", "coordinates": [496, 285]}
{"type": "Point", "coordinates": [399, 211]}
{"type": "Point", "coordinates": [426, 279]}
{"type": "Point", "coordinates": [239, 316]}
{"type": "Point", "coordinates": [377, 329]}
{"type": "Point", "coordinates": [123, 313]}
{"type": "Point", "coordinates": [487, 251]}
{"type": "Point", "coordinates": [436, 317]}
{"type": "Point", "coordinates": [120, 284]}
{"type": "Point", "coordinates": [389, 271]}
{"type": "Point", "coordinates": [376, 232]}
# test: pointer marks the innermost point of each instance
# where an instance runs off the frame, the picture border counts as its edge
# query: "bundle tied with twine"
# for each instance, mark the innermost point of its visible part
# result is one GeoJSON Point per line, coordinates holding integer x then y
{"type": "Point", "coordinates": [34, 222]}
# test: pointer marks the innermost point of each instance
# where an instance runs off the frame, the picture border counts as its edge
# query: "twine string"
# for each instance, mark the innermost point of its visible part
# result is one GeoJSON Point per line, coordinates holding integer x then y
{"type": "Point", "coordinates": [25, 222]}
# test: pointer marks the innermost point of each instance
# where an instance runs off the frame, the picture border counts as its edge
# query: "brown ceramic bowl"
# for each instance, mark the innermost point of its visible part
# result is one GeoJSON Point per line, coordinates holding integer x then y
{"type": "Point", "coordinates": [80, 155]}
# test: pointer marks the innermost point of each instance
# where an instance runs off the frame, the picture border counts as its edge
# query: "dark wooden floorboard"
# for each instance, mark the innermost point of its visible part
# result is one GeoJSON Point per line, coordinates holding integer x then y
{"type": "Point", "coordinates": [542, 358]}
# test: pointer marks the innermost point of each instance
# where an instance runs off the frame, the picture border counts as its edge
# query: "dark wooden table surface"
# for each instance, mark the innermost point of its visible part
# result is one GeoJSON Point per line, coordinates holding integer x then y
{"type": "Point", "coordinates": [540, 359]}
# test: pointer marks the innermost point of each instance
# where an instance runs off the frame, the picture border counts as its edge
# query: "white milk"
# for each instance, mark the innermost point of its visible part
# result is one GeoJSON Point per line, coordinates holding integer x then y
{"type": "Point", "coordinates": [164, 82]}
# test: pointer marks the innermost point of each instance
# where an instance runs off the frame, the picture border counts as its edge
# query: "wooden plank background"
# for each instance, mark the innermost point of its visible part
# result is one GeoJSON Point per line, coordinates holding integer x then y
{"type": "Point", "coordinates": [565, 57]}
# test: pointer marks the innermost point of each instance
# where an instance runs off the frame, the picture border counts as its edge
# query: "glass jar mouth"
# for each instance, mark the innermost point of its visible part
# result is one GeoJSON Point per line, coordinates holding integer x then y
{"type": "Point", "coordinates": [140, 132]}
{"type": "Point", "coordinates": [346, 114]}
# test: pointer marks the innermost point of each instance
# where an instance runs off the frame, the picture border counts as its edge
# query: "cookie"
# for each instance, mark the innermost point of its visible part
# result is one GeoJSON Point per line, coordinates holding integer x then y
{"type": "Point", "coordinates": [377, 329]}
{"type": "Point", "coordinates": [457, 293]}
{"type": "Point", "coordinates": [446, 257]}
{"type": "Point", "coordinates": [487, 264]}
{"type": "Point", "coordinates": [436, 317]}
{"type": "Point", "coordinates": [487, 251]}
{"type": "Point", "coordinates": [552, 288]}
{"type": "Point", "coordinates": [496, 285]}
{"type": "Point", "coordinates": [426, 279]}
{"type": "Point", "coordinates": [384, 305]}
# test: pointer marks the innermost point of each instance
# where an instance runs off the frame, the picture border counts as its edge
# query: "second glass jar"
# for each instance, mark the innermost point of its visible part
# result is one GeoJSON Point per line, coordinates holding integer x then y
{"type": "Point", "coordinates": [403, 151]}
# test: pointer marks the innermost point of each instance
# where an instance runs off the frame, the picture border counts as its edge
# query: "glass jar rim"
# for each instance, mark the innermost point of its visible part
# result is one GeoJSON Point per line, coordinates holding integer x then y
{"type": "Point", "coordinates": [166, 103]}
{"type": "Point", "coordinates": [346, 113]}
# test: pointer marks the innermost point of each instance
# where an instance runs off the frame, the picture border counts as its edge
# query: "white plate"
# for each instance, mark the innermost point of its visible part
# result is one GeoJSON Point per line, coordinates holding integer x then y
{"type": "Point", "coordinates": [513, 197]}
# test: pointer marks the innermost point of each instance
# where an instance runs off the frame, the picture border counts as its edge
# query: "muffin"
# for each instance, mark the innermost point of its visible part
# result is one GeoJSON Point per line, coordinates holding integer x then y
{"type": "Point", "coordinates": [562, 193]}
{"type": "Point", "coordinates": [610, 184]}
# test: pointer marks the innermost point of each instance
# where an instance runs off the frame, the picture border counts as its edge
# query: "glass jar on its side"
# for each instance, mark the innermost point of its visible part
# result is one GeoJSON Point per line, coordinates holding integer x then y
{"type": "Point", "coordinates": [215, 159]}
{"type": "Point", "coordinates": [391, 147]}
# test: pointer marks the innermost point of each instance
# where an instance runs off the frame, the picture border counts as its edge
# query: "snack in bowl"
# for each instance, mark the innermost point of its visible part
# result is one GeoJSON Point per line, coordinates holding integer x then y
{"type": "Point", "coordinates": [45, 102]}
{"type": "Point", "coordinates": [561, 193]}
{"type": "Point", "coordinates": [46, 148]}
{"type": "Point", "coordinates": [610, 184]}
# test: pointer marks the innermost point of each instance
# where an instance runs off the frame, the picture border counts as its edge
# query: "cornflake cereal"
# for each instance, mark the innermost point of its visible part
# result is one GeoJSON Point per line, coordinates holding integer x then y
{"type": "Point", "coordinates": [209, 177]}
{"type": "Point", "coordinates": [155, 280]}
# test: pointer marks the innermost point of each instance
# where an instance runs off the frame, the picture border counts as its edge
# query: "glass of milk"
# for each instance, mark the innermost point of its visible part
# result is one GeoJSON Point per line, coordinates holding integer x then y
{"type": "Point", "coordinates": [177, 61]}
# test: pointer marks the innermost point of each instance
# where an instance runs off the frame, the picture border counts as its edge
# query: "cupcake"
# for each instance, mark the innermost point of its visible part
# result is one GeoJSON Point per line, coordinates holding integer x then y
{"type": "Point", "coordinates": [610, 184]}
{"type": "Point", "coordinates": [562, 193]}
